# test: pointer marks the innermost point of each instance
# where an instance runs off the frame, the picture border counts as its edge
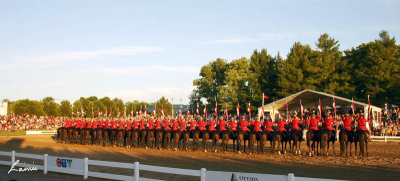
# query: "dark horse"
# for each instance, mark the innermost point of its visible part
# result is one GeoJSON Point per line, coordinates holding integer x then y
{"type": "Point", "coordinates": [363, 139]}
{"type": "Point", "coordinates": [326, 137]}
{"type": "Point", "coordinates": [195, 137]}
{"type": "Point", "coordinates": [281, 138]}
{"type": "Point", "coordinates": [62, 134]}
{"type": "Point", "coordinates": [346, 138]}
{"type": "Point", "coordinates": [312, 135]}
{"type": "Point", "coordinates": [296, 138]}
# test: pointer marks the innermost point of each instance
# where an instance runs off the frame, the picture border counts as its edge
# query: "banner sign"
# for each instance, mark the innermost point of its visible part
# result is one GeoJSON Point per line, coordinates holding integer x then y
{"type": "Point", "coordinates": [63, 162]}
{"type": "Point", "coordinates": [237, 176]}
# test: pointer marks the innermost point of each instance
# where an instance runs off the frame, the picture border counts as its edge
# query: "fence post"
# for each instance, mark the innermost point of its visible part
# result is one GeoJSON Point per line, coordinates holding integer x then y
{"type": "Point", "coordinates": [290, 177]}
{"type": "Point", "coordinates": [85, 168]}
{"type": "Point", "coordinates": [136, 171]}
{"type": "Point", "coordinates": [45, 163]}
{"type": "Point", "coordinates": [12, 158]}
{"type": "Point", "coordinates": [203, 174]}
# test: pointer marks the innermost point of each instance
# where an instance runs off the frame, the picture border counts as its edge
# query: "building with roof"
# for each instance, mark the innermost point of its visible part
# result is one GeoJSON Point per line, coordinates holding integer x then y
{"type": "Point", "coordinates": [310, 99]}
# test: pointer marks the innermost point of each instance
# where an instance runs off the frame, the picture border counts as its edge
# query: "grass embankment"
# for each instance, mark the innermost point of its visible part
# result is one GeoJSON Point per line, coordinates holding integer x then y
{"type": "Point", "coordinates": [13, 133]}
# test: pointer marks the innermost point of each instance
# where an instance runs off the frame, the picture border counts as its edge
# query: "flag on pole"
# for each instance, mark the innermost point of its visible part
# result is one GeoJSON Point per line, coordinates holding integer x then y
{"type": "Point", "coordinates": [369, 107]}
{"type": "Point", "coordinates": [273, 111]}
{"type": "Point", "coordinates": [301, 108]}
{"type": "Point", "coordinates": [140, 111]}
{"type": "Point", "coordinates": [249, 110]}
{"type": "Point", "coordinates": [353, 108]}
{"type": "Point", "coordinates": [198, 111]}
{"type": "Point", "coordinates": [187, 112]}
{"type": "Point", "coordinates": [320, 107]}
{"type": "Point", "coordinates": [287, 109]}
{"type": "Point", "coordinates": [238, 110]}
{"type": "Point", "coordinates": [216, 109]}
{"type": "Point", "coordinates": [162, 111]}
{"type": "Point", "coordinates": [264, 97]}
{"type": "Point", "coordinates": [205, 110]}
{"type": "Point", "coordinates": [92, 113]}
{"type": "Point", "coordinates": [155, 110]}
{"type": "Point", "coordinates": [334, 104]}
{"type": "Point", "coordinates": [226, 111]}
{"type": "Point", "coordinates": [145, 110]}
{"type": "Point", "coordinates": [180, 111]}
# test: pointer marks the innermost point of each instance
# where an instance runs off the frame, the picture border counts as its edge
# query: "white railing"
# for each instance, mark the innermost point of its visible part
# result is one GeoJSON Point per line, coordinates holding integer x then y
{"type": "Point", "coordinates": [86, 173]}
{"type": "Point", "coordinates": [41, 132]}
{"type": "Point", "coordinates": [385, 138]}
{"type": "Point", "coordinates": [136, 167]}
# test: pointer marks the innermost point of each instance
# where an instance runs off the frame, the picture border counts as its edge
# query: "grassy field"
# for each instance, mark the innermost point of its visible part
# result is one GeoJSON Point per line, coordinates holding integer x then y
{"type": "Point", "coordinates": [12, 133]}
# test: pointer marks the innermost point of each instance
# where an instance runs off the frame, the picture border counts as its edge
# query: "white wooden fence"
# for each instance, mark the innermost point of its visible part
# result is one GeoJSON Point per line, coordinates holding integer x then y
{"type": "Point", "coordinates": [385, 138]}
{"type": "Point", "coordinates": [136, 167]}
{"type": "Point", "coordinates": [41, 132]}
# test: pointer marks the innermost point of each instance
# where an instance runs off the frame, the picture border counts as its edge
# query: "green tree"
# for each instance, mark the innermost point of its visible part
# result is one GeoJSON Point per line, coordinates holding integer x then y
{"type": "Point", "coordinates": [329, 69]}
{"type": "Point", "coordinates": [26, 106]}
{"type": "Point", "coordinates": [51, 108]}
{"type": "Point", "coordinates": [263, 76]}
{"type": "Point", "coordinates": [236, 86]}
{"type": "Point", "coordinates": [212, 77]}
{"type": "Point", "coordinates": [65, 108]}
{"type": "Point", "coordinates": [376, 67]}
{"type": "Point", "coordinates": [292, 75]}
{"type": "Point", "coordinates": [163, 103]}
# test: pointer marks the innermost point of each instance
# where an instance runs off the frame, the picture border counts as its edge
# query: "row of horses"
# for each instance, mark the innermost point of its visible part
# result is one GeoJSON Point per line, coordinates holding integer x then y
{"type": "Point", "coordinates": [318, 142]}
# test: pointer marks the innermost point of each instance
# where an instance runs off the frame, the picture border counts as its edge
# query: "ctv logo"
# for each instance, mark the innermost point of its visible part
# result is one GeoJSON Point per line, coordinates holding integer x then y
{"type": "Point", "coordinates": [64, 162]}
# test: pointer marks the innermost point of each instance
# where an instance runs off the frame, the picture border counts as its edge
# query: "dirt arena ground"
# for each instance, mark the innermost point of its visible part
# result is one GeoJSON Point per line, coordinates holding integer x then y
{"type": "Point", "coordinates": [383, 162]}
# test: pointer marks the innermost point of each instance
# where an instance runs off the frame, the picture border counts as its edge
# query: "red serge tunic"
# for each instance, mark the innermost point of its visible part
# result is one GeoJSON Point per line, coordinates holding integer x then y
{"type": "Point", "coordinates": [268, 125]}
{"type": "Point", "coordinates": [183, 126]}
{"type": "Point", "coordinates": [167, 125]}
{"type": "Point", "coordinates": [233, 126]}
{"type": "Point", "coordinates": [257, 126]}
{"type": "Point", "coordinates": [347, 122]}
{"type": "Point", "coordinates": [212, 125]}
{"type": "Point", "coordinates": [361, 123]}
{"type": "Point", "coordinates": [121, 125]}
{"type": "Point", "coordinates": [243, 125]}
{"type": "Point", "coordinates": [151, 124]}
{"type": "Point", "coordinates": [222, 125]}
{"type": "Point", "coordinates": [128, 125]}
{"type": "Point", "coordinates": [114, 124]}
{"type": "Point", "coordinates": [314, 124]}
{"type": "Point", "coordinates": [175, 126]}
{"type": "Point", "coordinates": [295, 124]}
{"type": "Point", "coordinates": [281, 125]}
{"type": "Point", "coordinates": [328, 124]}
{"type": "Point", "coordinates": [159, 125]}
{"type": "Point", "coordinates": [192, 125]}
{"type": "Point", "coordinates": [202, 125]}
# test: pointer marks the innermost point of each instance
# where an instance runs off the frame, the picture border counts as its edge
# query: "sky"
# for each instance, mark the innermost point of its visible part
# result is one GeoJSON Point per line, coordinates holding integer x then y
{"type": "Point", "coordinates": [142, 50]}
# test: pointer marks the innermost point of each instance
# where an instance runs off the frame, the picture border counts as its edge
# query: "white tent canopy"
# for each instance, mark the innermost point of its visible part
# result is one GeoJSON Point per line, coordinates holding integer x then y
{"type": "Point", "coordinates": [311, 98]}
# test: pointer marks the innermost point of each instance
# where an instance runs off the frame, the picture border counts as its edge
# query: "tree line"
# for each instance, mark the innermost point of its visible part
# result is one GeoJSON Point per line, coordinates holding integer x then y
{"type": "Point", "coordinates": [369, 69]}
{"type": "Point", "coordinates": [91, 106]}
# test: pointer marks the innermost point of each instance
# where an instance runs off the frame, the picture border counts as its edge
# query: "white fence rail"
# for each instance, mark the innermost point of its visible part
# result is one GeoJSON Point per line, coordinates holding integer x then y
{"type": "Point", "coordinates": [68, 166]}
{"type": "Point", "coordinates": [41, 132]}
{"type": "Point", "coordinates": [385, 138]}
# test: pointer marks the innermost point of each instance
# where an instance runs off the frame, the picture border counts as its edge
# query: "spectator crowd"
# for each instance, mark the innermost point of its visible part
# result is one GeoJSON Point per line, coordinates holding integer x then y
{"type": "Point", "coordinates": [30, 122]}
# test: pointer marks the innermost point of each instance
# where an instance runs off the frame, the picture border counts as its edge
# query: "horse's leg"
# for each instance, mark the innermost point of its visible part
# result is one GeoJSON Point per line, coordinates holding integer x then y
{"type": "Point", "coordinates": [366, 147]}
